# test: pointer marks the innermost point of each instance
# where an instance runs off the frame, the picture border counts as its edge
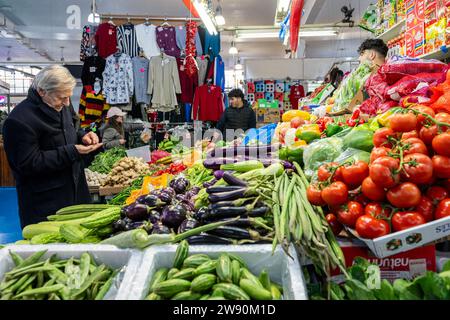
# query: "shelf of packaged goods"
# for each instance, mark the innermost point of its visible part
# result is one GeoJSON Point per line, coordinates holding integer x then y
{"type": "Point", "coordinates": [392, 32]}
{"type": "Point", "coordinates": [437, 54]}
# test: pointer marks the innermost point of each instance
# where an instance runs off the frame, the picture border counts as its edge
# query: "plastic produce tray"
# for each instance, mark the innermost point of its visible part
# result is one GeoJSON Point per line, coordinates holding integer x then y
{"type": "Point", "coordinates": [282, 269]}
{"type": "Point", "coordinates": [126, 260]}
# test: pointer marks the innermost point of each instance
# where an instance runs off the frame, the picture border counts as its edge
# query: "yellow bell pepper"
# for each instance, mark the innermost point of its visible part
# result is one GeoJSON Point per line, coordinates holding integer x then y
{"type": "Point", "coordinates": [134, 195]}
{"type": "Point", "coordinates": [299, 143]}
{"type": "Point", "coordinates": [291, 114]}
{"type": "Point", "coordinates": [157, 182]}
{"type": "Point", "coordinates": [383, 119]}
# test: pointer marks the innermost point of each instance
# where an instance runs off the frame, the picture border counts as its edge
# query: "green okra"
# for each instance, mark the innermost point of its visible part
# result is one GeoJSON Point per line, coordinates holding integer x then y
{"type": "Point", "coordinates": [43, 290]}
{"type": "Point", "coordinates": [105, 288]}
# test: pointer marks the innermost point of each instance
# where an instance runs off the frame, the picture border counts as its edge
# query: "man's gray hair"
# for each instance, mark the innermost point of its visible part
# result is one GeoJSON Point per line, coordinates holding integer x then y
{"type": "Point", "coordinates": [54, 78]}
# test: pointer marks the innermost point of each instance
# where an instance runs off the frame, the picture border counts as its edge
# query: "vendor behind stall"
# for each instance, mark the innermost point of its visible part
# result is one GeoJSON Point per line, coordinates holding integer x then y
{"type": "Point", "coordinates": [114, 133]}
{"type": "Point", "coordinates": [374, 51]}
{"type": "Point", "coordinates": [240, 115]}
{"type": "Point", "coordinates": [45, 149]}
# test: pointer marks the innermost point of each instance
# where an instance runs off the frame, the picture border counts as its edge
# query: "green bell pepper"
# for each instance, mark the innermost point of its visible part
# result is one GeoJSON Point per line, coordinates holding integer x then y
{"type": "Point", "coordinates": [332, 129]}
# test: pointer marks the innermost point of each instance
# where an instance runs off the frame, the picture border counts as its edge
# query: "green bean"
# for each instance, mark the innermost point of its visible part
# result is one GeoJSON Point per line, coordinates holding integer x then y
{"type": "Point", "coordinates": [293, 212]}
{"type": "Point", "coordinates": [26, 284]}
{"type": "Point", "coordinates": [276, 221]}
{"type": "Point", "coordinates": [32, 270]}
{"type": "Point", "coordinates": [105, 288]}
{"type": "Point", "coordinates": [18, 283]}
{"type": "Point", "coordinates": [6, 296]}
{"type": "Point", "coordinates": [85, 263]}
{"type": "Point", "coordinates": [283, 216]}
{"type": "Point", "coordinates": [65, 293]}
{"type": "Point", "coordinates": [68, 268]}
{"type": "Point", "coordinates": [43, 290]}
{"type": "Point", "coordinates": [54, 296]}
{"type": "Point", "coordinates": [49, 282]}
{"type": "Point", "coordinates": [16, 258]}
{"type": "Point", "coordinates": [93, 277]}
{"type": "Point", "coordinates": [40, 279]}
{"type": "Point", "coordinates": [32, 259]}
{"type": "Point", "coordinates": [95, 290]}
{"type": "Point", "coordinates": [307, 229]}
{"type": "Point", "coordinates": [6, 284]}
{"type": "Point", "coordinates": [16, 271]}
{"type": "Point", "coordinates": [59, 276]}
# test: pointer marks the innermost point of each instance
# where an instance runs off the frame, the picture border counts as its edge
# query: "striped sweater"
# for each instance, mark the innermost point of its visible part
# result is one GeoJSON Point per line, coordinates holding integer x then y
{"type": "Point", "coordinates": [93, 107]}
{"type": "Point", "coordinates": [127, 40]}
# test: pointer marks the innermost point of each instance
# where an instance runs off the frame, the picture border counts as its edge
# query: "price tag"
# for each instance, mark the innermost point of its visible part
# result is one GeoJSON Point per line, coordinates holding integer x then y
{"type": "Point", "coordinates": [97, 87]}
{"type": "Point", "coordinates": [110, 32]}
{"type": "Point", "coordinates": [142, 70]}
{"type": "Point", "coordinates": [92, 69]}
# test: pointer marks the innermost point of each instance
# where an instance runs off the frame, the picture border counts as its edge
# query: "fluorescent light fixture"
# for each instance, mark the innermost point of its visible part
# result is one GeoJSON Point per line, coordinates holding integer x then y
{"type": "Point", "coordinates": [233, 50]}
{"type": "Point", "coordinates": [263, 34]}
{"type": "Point", "coordinates": [238, 65]}
{"type": "Point", "coordinates": [94, 18]}
{"type": "Point", "coordinates": [206, 19]}
{"type": "Point", "coordinates": [283, 5]}
{"type": "Point", "coordinates": [220, 20]}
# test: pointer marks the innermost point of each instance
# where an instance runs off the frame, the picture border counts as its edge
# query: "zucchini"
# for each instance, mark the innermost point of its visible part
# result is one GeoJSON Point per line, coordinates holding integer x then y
{"type": "Point", "coordinates": [203, 282]}
{"type": "Point", "coordinates": [231, 291]}
{"type": "Point", "coordinates": [35, 229]}
{"type": "Point", "coordinates": [254, 291]}
{"type": "Point", "coordinates": [79, 208]}
{"type": "Point", "coordinates": [169, 288]}
{"type": "Point", "coordinates": [181, 254]}
{"type": "Point", "coordinates": [223, 268]}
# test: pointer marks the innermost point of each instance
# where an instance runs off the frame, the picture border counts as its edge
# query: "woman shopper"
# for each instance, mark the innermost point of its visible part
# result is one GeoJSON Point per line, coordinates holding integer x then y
{"type": "Point", "coordinates": [45, 149]}
{"type": "Point", "coordinates": [113, 134]}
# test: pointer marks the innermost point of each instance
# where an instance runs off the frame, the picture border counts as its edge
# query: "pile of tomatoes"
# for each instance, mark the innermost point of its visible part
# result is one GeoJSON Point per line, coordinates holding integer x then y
{"type": "Point", "coordinates": [406, 183]}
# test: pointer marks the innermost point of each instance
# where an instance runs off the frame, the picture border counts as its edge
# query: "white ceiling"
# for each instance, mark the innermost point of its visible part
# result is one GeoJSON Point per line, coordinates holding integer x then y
{"type": "Point", "coordinates": [43, 24]}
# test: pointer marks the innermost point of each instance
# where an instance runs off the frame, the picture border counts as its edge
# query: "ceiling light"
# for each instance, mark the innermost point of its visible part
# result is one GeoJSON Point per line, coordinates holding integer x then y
{"type": "Point", "coordinates": [233, 50]}
{"type": "Point", "coordinates": [94, 17]}
{"type": "Point", "coordinates": [206, 19]}
{"type": "Point", "coordinates": [220, 20]}
{"type": "Point", "coordinates": [283, 5]}
{"type": "Point", "coordinates": [238, 65]}
{"type": "Point", "coordinates": [263, 34]}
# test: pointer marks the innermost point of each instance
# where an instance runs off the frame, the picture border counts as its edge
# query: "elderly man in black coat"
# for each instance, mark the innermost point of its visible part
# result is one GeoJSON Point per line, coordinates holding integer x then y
{"type": "Point", "coordinates": [44, 148]}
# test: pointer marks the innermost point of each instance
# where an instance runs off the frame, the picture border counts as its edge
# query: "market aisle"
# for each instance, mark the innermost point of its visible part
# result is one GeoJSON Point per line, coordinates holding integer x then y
{"type": "Point", "coordinates": [9, 218]}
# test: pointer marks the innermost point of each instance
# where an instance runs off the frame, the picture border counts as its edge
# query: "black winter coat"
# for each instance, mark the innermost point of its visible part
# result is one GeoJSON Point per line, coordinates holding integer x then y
{"type": "Point", "coordinates": [233, 118]}
{"type": "Point", "coordinates": [40, 146]}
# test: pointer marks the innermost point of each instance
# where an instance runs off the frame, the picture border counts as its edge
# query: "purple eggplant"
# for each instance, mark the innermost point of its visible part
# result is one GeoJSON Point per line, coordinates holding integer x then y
{"type": "Point", "coordinates": [173, 216]}
{"type": "Point", "coordinates": [159, 228]}
{"type": "Point", "coordinates": [195, 190]}
{"type": "Point", "coordinates": [119, 225]}
{"type": "Point", "coordinates": [287, 165]}
{"type": "Point", "coordinates": [179, 184]}
{"type": "Point", "coordinates": [149, 200]}
{"type": "Point", "coordinates": [232, 180]}
{"type": "Point", "coordinates": [205, 238]}
{"type": "Point", "coordinates": [166, 197]}
{"type": "Point", "coordinates": [189, 205]}
{"type": "Point", "coordinates": [170, 191]}
{"type": "Point", "coordinates": [209, 183]}
{"type": "Point", "coordinates": [231, 195]}
{"type": "Point", "coordinates": [243, 151]}
{"type": "Point", "coordinates": [134, 225]}
{"type": "Point", "coordinates": [218, 189]}
{"type": "Point", "coordinates": [188, 224]}
{"type": "Point", "coordinates": [138, 212]}
{"type": "Point", "coordinates": [201, 213]}
{"type": "Point", "coordinates": [218, 174]}
{"type": "Point", "coordinates": [155, 216]}
{"type": "Point", "coordinates": [181, 197]}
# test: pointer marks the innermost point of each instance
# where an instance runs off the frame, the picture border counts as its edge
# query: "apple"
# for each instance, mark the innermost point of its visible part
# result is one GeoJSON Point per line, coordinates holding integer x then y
{"type": "Point", "coordinates": [297, 122]}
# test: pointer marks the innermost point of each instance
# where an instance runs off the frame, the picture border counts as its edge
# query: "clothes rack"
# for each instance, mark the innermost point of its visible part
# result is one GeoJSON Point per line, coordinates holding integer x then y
{"type": "Point", "coordinates": [145, 17]}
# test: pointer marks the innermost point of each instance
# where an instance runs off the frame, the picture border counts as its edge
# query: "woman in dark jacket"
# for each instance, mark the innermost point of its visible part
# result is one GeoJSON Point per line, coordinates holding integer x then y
{"type": "Point", "coordinates": [44, 148]}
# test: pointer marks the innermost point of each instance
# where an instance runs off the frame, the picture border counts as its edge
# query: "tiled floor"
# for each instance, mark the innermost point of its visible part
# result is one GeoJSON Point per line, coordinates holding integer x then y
{"type": "Point", "coordinates": [9, 220]}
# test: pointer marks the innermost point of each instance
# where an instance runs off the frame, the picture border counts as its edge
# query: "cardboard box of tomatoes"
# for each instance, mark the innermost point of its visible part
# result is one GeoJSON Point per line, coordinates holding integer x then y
{"type": "Point", "coordinates": [406, 265]}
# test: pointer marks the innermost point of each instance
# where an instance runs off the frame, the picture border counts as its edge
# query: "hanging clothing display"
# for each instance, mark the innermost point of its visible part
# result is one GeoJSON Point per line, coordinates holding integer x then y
{"type": "Point", "coordinates": [219, 72]}
{"type": "Point", "coordinates": [93, 68]}
{"type": "Point", "coordinates": [208, 103]}
{"type": "Point", "coordinates": [164, 82]}
{"type": "Point", "coordinates": [88, 46]}
{"type": "Point", "coordinates": [202, 64]}
{"type": "Point", "coordinates": [141, 67]}
{"type": "Point", "coordinates": [188, 84]}
{"type": "Point", "coordinates": [93, 106]}
{"type": "Point", "coordinates": [127, 40]}
{"type": "Point", "coordinates": [212, 44]}
{"type": "Point", "coordinates": [190, 63]}
{"type": "Point", "coordinates": [297, 92]}
{"type": "Point", "coordinates": [181, 40]}
{"type": "Point", "coordinates": [202, 34]}
{"type": "Point", "coordinates": [106, 39]}
{"type": "Point", "coordinates": [166, 38]}
{"type": "Point", "coordinates": [146, 37]}
{"type": "Point", "coordinates": [118, 79]}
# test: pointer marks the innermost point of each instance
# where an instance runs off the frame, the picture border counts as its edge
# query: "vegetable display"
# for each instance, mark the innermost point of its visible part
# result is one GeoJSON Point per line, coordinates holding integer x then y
{"type": "Point", "coordinates": [55, 279]}
{"type": "Point", "coordinates": [200, 277]}
{"type": "Point", "coordinates": [104, 162]}
{"type": "Point", "coordinates": [125, 171]}
{"type": "Point", "coordinates": [94, 179]}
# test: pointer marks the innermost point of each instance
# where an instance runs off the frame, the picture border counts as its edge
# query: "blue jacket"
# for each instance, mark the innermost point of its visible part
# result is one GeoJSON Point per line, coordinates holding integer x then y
{"type": "Point", "coordinates": [219, 72]}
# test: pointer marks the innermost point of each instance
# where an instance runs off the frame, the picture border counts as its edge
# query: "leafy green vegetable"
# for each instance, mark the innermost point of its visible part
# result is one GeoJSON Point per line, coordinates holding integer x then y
{"type": "Point", "coordinates": [104, 162]}
{"type": "Point", "coordinates": [386, 291]}
{"type": "Point", "coordinates": [320, 151]}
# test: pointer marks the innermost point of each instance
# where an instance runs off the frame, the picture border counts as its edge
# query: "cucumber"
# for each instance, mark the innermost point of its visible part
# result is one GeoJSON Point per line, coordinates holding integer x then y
{"type": "Point", "coordinates": [255, 292]}
{"type": "Point", "coordinates": [186, 295]}
{"type": "Point", "coordinates": [195, 260]}
{"type": "Point", "coordinates": [203, 282]}
{"type": "Point", "coordinates": [231, 291]}
{"type": "Point", "coordinates": [206, 267]}
{"type": "Point", "coordinates": [159, 276]}
{"type": "Point", "coordinates": [169, 288]}
{"type": "Point", "coordinates": [223, 268]}
{"type": "Point", "coordinates": [186, 274]}
{"type": "Point", "coordinates": [181, 254]}
{"type": "Point", "coordinates": [235, 272]}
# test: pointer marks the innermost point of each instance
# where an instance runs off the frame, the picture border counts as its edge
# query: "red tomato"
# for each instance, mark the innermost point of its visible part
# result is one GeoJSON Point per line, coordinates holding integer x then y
{"type": "Point", "coordinates": [404, 195]}
{"type": "Point", "coordinates": [326, 170]}
{"type": "Point", "coordinates": [418, 168]}
{"type": "Point", "coordinates": [443, 209]}
{"type": "Point", "coordinates": [424, 109]}
{"type": "Point", "coordinates": [446, 185]}
{"type": "Point", "coordinates": [376, 210]}
{"type": "Point", "coordinates": [407, 219]}
{"type": "Point", "coordinates": [441, 144]}
{"type": "Point", "coordinates": [414, 145]}
{"type": "Point", "coordinates": [370, 227]}
{"type": "Point", "coordinates": [426, 208]}
{"type": "Point", "coordinates": [437, 194]}
{"type": "Point", "coordinates": [410, 134]}
{"type": "Point", "coordinates": [353, 175]}
{"type": "Point", "coordinates": [297, 122]}
{"type": "Point", "coordinates": [313, 193]}
{"type": "Point", "coordinates": [335, 194]}
{"type": "Point", "coordinates": [427, 134]}
{"type": "Point", "coordinates": [443, 117]}
{"type": "Point", "coordinates": [403, 122]}
{"type": "Point", "coordinates": [335, 225]}
{"type": "Point", "coordinates": [441, 167]}
{"type": "Point", "coordinates": [378, 153]}
{"type": "Point", "coordinates": [380, 137]}
{"type": "Point", "coordinates": [383, 172]}
{"type": "Point", "coordinates": [349, 213]}
{"type": "Point", "coordinates": [372, 191]}
{"type": "Point", "coordinates": [361, 198]}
